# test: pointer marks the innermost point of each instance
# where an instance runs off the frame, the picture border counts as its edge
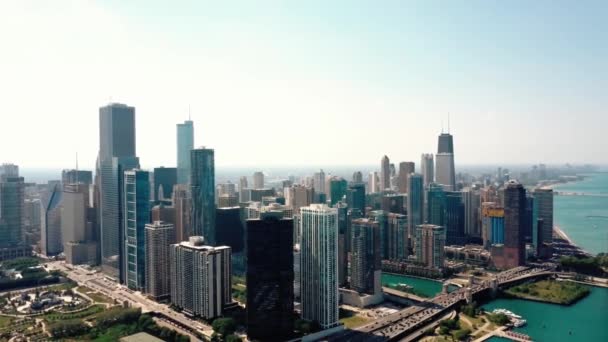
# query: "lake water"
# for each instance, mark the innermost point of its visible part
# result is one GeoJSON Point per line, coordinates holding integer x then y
{"type": "Point", "coordinates": [427, 287]}
{"type": "Point", "coordinates": [584, 218]}
{"type": "Point", "coordinates": [584, 321]}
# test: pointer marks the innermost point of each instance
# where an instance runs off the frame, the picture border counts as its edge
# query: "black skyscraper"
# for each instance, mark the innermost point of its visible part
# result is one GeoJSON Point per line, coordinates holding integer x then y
{"type": "Point", "coordinates": [355, 196]}
{"type": "Point", "coordinates": [454, 218]}
{"type": "Point", "coordinates": [446, 143]}
{"type": "Point", "coordinates": [515, 221]}
{"type": "Point", "coordinates": [270, 278]}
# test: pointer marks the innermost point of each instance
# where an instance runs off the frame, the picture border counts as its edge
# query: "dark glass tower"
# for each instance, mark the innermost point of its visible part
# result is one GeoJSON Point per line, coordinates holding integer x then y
{"type": "Point", "coordinates": [355, 196]}
{"type": "Point", "coordinates": [436, 205]}
{"type": "Point", "coordinates": [11, 211]}
{"type": "Point", "coordinates": [415, 204]}
{"type": "Point", "coordinates": [137, 215]}
{"type": "Point", "coordinates": [270, 278]}
{"type": "Point", "coordinates": [202, 186]}
{"type": "Point", "coordinates": [365, 255]}
{"type": "Point", "coordinates": [164, 180]}
{"type": "Point", "coordinates": [454, 218]}
{"type": "Point", "coordinates": [116, 154]}
{"type": "Point", "coordinates": [337, 189]}
{"type": "Point", "coordinates": [445, 144]}
{"type": "Point", "coordinates": [515, 220]}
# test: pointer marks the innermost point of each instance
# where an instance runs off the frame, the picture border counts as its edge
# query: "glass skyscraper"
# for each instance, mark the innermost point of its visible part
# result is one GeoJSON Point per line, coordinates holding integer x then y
{"type": "Point", "coordinates": [185, 143]}
{"type": "Point", "coordinates": [137, 215]}
{"type": "Point", "coordinates": [116, 154]}
{"type": "Point", "coordinates": [202, 186]}
{"type": "Point", "coordinates": [415, 203]}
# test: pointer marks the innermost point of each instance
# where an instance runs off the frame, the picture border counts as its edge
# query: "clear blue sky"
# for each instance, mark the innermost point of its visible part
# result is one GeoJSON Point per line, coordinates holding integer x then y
{"type": "Point", "coordinates": [297, 82]}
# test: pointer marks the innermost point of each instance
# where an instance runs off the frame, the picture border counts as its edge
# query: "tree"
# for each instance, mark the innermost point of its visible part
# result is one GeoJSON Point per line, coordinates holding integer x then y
{"type": "Point", "coordinates": [232, 338]}
{"type": "Point", "coordinates": [224, 326]}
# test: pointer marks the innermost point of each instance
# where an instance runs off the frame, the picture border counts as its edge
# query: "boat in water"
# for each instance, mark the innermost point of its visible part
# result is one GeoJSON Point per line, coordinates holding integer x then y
{"type": "Point", "coordinates": [516, 320]}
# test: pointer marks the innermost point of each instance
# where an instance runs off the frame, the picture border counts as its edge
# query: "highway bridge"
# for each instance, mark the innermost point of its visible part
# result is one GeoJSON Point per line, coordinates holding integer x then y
{"type": "Point", "coordinates": [410, 320]}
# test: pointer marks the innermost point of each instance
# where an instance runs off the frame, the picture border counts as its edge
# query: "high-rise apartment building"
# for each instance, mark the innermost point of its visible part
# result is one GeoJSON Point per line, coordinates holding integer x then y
{"type": "Point", "coordinates": [430, 240]}
{"type": "Point", "coordinates": [415, 201]}
{"type": "Point", "coordinates": [544, 202]}
{"type": "Point", "coordinates": [385, 174]}
{"type": "Point", "coordinates": [270, 277]}
{"type": "Point", "coordinates": [445, 174]}
{"type": "Point", "coordinates": [397, 237]}
{"type": "Point", "coordinates": [201, 277]}
{"type": "Point", "coordinates": [185, 143]}
{"type": "Point", "coordinates": [182, 203]}
{"type": "Point", "coordinates": [242, 190]}
{"type": "Point", "coordinates": [116, 154]}
{"type": "Point", "coordinates": [159, 237]}
{"type": "Point", "coordinates": [365, 256]}
{"type": "Point", "coordinates": [202, 189]}
{"type": "Point", "coordinates": [373, 183]}
{"type": "Point", "coordinates": [492, 224]}
{"type": "Point", "coordinates": [318, 182]}
{"type": "Point", "coordinates": [298, 196]}
{"type": "Point", "coordinates": [319, 264]}
{"type": "Point", "coordinates": [472, 203]}
{"type": "Point", "coordinates": [137, 215]}
{"type": "Point", "coordinates": [513, 252]}
{"type": "Point", "coordinates": [405, 169]}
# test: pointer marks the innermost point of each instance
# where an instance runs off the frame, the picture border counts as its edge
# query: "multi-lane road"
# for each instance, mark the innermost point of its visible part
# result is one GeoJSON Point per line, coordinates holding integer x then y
{"type": "Point", "coordinates": [99, 282]}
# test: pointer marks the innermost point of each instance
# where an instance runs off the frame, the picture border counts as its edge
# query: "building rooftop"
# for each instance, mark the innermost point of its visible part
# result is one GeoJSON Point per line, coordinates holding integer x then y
{"type": "Point", "coordinates": [140, 337]}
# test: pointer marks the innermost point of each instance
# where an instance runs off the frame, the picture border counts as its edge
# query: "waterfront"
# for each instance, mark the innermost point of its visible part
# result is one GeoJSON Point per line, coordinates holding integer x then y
{"type": "Point", "coordinates": [428, 287]}
{"type": "Point", "coordinates": [583, 321]}
{"type": "Point", "coordinates": [584, 218]}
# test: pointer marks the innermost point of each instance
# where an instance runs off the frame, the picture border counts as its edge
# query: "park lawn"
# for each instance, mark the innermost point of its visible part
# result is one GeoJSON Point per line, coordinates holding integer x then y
{"type": "Point", "coordinates": [88, 313]}
{"type": "Point", "coordinates": [5, 321]}
{"type": "Point", "coordinates": [354, 321]}
{"type": "Point", "coordinates": [100, 298]}
{"type": "Point", "coordinates": [558, 292]}
{"type": "Point", "coordinates": [63, 286]}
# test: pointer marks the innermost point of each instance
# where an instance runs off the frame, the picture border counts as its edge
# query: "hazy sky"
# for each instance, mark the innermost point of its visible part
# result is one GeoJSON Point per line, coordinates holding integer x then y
{"type": "Point", "coordinates": [307, 82]}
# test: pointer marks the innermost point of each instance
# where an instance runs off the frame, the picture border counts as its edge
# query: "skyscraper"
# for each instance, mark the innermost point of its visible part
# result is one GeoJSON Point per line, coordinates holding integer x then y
{"type": "Point", "coordinates": [430, 240]}
{"type": "Point", "coordinates": [137, 215]}
{"type": "Point", "coordinates": [515, 207]}
{"type": "Point", "coordinates": [365, 256]}
{"type": "Point", "coordinates": [116, 154]}
{"type": "Point", "coordinates": [201, 277]}
{"type": "Point", "coordinates": [381, 217]}
{"type": "Point", "coordinates": [319, 264]}
{"type": "Point", "coordinates": [427, 168]}
{"type": "Point", "coordinates": [492, 224]}
{"type": "Point", "coordinates": [397, 237]}
{"type": "Point", "coordinates": [51, 242]}
{"type": "Point", "coordinates": [298, 196]}
{"type": "Point", "coordinates": [445, 173]}
{"type": "Point", "coordinates": [373, 183]}
{"type": "Point", "coordinates": [231, 232]}
{"type": "Point", "coordinates": [337, 189]}
{"type": "Point", "coordinates": [436, 205]}
{"type": "Point", "coordinates": [76, 176]}
{"type": "Point", "coordinates": [544, 202]}
{"type": "Point", "coordinates": [454, 221]}
{"type": "Point", "coordinates": [164, 180]}
{"type": "Point", "coordinates": [12, 199]}
{"type": "Point", "coordinates": [258, 180]}
{"type": "Point", "coordinates": [159, 237]}
{"type": "Point", "coordinates": [415, 208]}
{"type": "Point", "coordinates": [202, 187]}
{"type": "Point", "coordinates": [355, 196]}
{"type": "Point", "coordinates": [77, 225]}
{"type": "Point", "coordinates": [357, 177]}
{"type": "Point", "coordinates": [242, 187]}
{"type": "Point", "coordinates": [472, 202]}
{"type": "Point", "coordinates": [270, 277]}
{"type": "Point", "coordinates": [405, 169]}
{"type": "Point", "coordinates": [385, 174]}
{"type": "Point", "coordinates": [318, 182]}
{"type": "Point", "coordinates": [185, 143]}
{"type": "Point", "coordinates": [9, 170]}
{"type": "Point", "coordinates": [182, 202]}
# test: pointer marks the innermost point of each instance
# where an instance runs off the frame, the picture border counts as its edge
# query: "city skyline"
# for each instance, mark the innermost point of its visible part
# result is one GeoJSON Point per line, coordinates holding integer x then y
{"type": "Point", "coordinates": [429, 60]}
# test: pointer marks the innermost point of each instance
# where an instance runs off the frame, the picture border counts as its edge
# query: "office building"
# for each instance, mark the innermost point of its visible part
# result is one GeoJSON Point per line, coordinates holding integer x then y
{"type": "Point", "coordinates": [51, 243]}
{"type": "Point", "coordinates": [242, 188]}
{"type": "Point", "coordinates": [544, 202]}
{"type": "Point", "coordinates": [381, 217]}
{"type": "Point", "coordinates": [454, 221]}
{"type": "Point", "coordinates": [8, 170]}
{"type": "Point", "coordinates": [445, 174]}
{"type": "Point", "coordinates": [32, 211]}
{"type": "Point", "coordinates": [257, 195]}
{"type": "Point", "coordinates": [296, 267]}
{"type": "Point", "coordinates": [298, 196]}
{"type": "Point", "coordinates": [365, 256]}
{"type": "Point", "coordinates": [76, 177]}
{"type": "Point", "coordinates": [202, 190]}
{"type": "Point", "coordinates": [343, 242]}
{"type": "Point", "coordinates": [430, 240]}
{"type": "Point", "coordinates": [201, 277]}
{"type": "Point", "coordinates": [405, 169]}
{"type": "Point", "coordinates": [397, 237]}
{"type": "Point", "coordinates": [270, 277]}
{"type": "Point", "coordinates": [230, 231]}
{"type": "Point", "coordinates": [185, 143]}
{"type": "Point", "coordinates": [182, 203]}
{"type": "Point", "coordinates": [427, 168]}
{"type": "Point", "coordinates": [337, 189]}
{"type": "Point", "coordinates": [385, 174]}
{"type": "Point", "coordinates": [318, 182]}
{"type": "Point", "coordinates": [436, 205]}
{"type": "Point", "coordinates": [415, 200]}
{"type": "Point", "coordinates": [319, 264]}
{"type": "Point", "coordinates": [162, 212]}
{"type": "Point", "coordinates": [159, 237]}
{"type": "Point", "coordinates": [373, 183]}
{"type": "Point", "coordinates": [393, 203]}
{"type": "Point", "coordinates": [227, 201]}
{"type": "Point", "coordinates": [12, 199]}
{"type": "Point", "coordinates": [77, 225]}
{"type": "Point", "coordinates": [355, 196]}
{"type": "Point", "coordinates": [164, 180]}
{"type": "Point", "coordinates": [137, 215]}
{"type": "Point", "coordinates": [258, 180]}
{"type": "Point", "coordinates": [117, 154]}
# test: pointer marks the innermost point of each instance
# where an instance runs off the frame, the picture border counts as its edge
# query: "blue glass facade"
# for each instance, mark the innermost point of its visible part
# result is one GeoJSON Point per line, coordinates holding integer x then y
{"type": "Point", "coordinates": [137, 215]}
{"type": "Point", "coordinates": [202, 186]}
{"type": "Point", "coordinates": [497, 225]}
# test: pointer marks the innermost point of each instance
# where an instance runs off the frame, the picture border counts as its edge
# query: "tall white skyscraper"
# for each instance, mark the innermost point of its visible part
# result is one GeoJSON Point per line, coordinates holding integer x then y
{"type": "Point", "coordinates": [427, 168]}
{"type": "Point", "coordinates": [319, 264]}
{"type": "Point", "coordinates": [444, 162]}
{"type": "Point", "coordinates": [373, 182]}
{"type": "Point", "coordinates": [258, 180]}
{"type": "Point", "coordinates": [319, 182]}
{"type": "Point", "coordinates": [385, 174]}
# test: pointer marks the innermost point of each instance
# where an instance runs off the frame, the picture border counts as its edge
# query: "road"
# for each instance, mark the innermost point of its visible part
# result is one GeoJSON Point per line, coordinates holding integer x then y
{"type": "Point", "coordinates": [99, 282]}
